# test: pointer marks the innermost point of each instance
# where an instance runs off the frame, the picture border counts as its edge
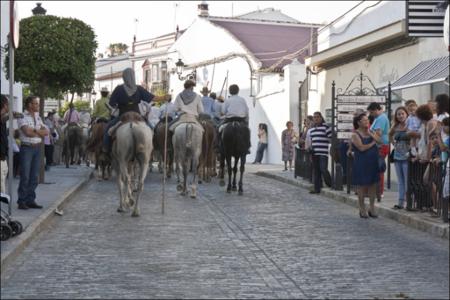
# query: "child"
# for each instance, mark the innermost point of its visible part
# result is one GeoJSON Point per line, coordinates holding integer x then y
{"type": "Point", "coordinates": [412, 125]}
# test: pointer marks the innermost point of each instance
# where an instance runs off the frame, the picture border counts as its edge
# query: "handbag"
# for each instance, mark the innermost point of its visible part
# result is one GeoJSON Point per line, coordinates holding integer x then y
{"type": "Point", "coordinates": [391, 158]}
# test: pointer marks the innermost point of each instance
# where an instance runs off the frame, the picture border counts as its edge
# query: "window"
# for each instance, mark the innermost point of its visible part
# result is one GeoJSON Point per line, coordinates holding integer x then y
{"type": "Point", "coordinates": [155, 73]}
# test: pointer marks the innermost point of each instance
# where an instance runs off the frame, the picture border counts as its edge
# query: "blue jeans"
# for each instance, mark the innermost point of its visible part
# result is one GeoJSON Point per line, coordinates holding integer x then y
{"type": "Point", "coordinates": [401, 168]}
{"type": "Point", "coordinates": [260, 152]}
{"type": "Point", "coordinates": [30, 159]}
{"type": "Point", "coordinates": [320, 168]}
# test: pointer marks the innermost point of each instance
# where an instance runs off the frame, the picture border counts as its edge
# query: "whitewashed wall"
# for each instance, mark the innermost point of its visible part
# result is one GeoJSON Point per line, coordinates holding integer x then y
{"type": "Point", "coordinates": [274, 104]}
{"type": "Point", "coordinates": [381, 69]}
{"type": "Point", "coordinates": [17, 87]}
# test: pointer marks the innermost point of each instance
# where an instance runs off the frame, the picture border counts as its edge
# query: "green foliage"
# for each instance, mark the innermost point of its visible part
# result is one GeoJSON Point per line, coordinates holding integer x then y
{"type": "Point", "coordinates": [78, 104]}
{"type": "Point", "coordinates": [55, 55]}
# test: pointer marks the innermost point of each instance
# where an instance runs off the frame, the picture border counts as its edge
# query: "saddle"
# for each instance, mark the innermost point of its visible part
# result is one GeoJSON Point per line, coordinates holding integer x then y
{"type": "Point", "coordinates": [128, 117]}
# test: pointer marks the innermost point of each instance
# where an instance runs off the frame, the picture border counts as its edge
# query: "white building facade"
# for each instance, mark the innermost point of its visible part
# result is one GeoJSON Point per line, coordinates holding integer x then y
{"type": "Point", "coordinates": [216, 49]}
{"type": "Point", "coordinates": [372, 39]}
{"type": "Point", "coordinates": [17, 87]}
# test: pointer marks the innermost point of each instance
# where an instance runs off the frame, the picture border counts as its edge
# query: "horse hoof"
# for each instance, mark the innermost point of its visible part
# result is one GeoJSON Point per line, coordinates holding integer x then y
{"type": "Point", "coordinates": [240, 193]}
{"type": "Point", "coordinates": [120, 210]}
{"type": "Point", "coordinates": [228, 190]}
{"type": "Point", "coordinates": [222, 183]}
{"type": "Point", "coordinates": [179, 187]}
{"type": "Point", "coordinates": [234, 189]}
{"type": "Point", "coordinates": [183, 193]}
{"type": "Point", "coordinates": [135, 214]}
{"type": "Point", "coordinates": [193, 196]}
{"type": "Point", "coordinates": [199, 182]}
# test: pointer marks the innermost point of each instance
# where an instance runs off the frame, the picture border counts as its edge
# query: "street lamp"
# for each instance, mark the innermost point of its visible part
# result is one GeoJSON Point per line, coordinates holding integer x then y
{"type": "Point", "coordinates": [180, 67]}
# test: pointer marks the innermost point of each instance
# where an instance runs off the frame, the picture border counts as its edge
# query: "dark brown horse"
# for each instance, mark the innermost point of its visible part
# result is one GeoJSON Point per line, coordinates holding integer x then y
{"type": "Point", "coordinates": [73, 140]}
{"type": "Point", "coordinates": [94, 146]}
{"type": "Point", "coordinates": [158, 147]}
{"type": "Point", "coordinates": [207, 164]}
{"type": "Point", "coordinates": [236, 142]}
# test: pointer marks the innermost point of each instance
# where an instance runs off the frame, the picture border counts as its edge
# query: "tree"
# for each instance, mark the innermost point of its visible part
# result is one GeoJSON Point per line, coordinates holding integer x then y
{"type": "Point", "coordinates": [78, 105]}
{"type": "Point", "coordinates": [56, 55]}
{"type": "Point", "coordinates": [117, 49]}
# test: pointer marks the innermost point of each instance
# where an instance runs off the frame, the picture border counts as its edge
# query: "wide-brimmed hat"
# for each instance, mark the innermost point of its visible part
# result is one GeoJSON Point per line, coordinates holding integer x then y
{"type": "Point", "coordinates": [205, 90]}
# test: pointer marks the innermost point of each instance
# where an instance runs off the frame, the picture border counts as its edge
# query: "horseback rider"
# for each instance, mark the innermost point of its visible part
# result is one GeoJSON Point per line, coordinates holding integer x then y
{"type": "Point", "coordinates": [234, 109]}
{"type": "Point", "coordinates": [218, 104]}
{"type": "Point", "coordinates": [188, 105]}
{"type": "Point", "coordinates": [101, 112]}
{"type": "Point", "coordinates": [207, 102]}
{"type": "Point", "coordinates": [126, 97]}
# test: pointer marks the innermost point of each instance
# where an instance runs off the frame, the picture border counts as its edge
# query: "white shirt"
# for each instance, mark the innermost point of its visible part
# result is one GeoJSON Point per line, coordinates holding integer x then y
{"type": "Point", "coordinates": [235, 106]}
{"type": "Point", "coordinates": [194, 108]}
{"type": "Point", "coordinates": [30, 121]}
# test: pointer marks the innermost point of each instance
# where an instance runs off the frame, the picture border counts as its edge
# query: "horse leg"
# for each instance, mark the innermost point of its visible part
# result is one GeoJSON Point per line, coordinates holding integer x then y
{"type": "Point", "coordinates": [193, 185]}
{"type": "Point", "coordinates": [222, 170]}
{"type": "Point", "coordinates": [228, 158]}
{"type": "Point", "coordinates": [122, 183]}
{"type": "Point", "coordinates": [236, 161]}
{"type": "Point", "coordinates": [242, 169]}
{"type": "Point", "coordinates": [185, 175]}
{"type": "Point", "coordinates": [143, 168]}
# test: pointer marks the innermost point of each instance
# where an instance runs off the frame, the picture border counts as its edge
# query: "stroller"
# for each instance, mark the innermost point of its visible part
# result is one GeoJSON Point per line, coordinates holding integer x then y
{"type": "Point", "coordinates": [9, 228]}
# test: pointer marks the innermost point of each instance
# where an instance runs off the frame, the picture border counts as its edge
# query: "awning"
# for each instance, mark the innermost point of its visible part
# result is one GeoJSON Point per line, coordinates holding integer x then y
{"type": "Point", "coordinates": [426, 72]}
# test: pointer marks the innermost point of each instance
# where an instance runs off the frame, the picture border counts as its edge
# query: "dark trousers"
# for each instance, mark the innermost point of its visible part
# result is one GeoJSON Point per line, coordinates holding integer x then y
{"type": "Point", "coordinates": [49, 149]}
{"type": "Point", "coordinates": [320, 168]}
{"type": "Point", "coordinates": [107, 143]}
{"type": "Point", "coordinates": [29, 172]}
{"type": "Point", "coordinates": [260, 152]}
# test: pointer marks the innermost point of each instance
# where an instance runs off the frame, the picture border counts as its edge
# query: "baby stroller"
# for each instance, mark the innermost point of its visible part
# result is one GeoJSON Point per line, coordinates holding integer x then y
{"type": "Point", "coordinates": [9, 227]}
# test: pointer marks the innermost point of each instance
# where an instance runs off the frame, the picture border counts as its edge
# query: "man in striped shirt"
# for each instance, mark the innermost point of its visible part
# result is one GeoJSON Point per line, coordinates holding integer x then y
{"type": "Point", "coordinates": [320, 136]}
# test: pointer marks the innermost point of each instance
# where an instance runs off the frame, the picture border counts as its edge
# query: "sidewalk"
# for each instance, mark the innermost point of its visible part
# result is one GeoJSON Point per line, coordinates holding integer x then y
{"type": "Point", "coordinates": [60, 184]}
{"type": "Point", "coordinates": [418, 220]}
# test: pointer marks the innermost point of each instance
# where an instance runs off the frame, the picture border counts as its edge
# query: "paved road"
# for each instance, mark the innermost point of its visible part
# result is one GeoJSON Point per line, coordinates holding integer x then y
{"type": "Point", "coordinates": [276, 241]}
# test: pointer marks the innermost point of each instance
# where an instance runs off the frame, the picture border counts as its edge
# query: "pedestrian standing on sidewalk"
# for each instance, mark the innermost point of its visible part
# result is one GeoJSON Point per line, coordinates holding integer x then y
{"type": "Point", "coordinates": [365, 167]}
{"type": "Point", "coordinates": [32, 131]}
{"type": "Point", "coordinates": [380, 125]}
{"type": "Point", "coordinates": [3, 143]}
{"type": "Point", "coordinates": [320, 141]}
{"type": "Point", "coordinates": [288, 141]}
{"type": "Point", "coordinates": [262, 143]}
{"type": "Point", "coordinates": [49, 140]}
{"type": "Point", "coordinates": [398, 136]}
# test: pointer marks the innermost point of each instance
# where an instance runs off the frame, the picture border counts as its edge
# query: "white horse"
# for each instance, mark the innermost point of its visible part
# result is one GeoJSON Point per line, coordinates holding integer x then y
{"type": "Point", "coordinates": [131, 155]}
{"type": "Point", "coordinates": [187, 144]}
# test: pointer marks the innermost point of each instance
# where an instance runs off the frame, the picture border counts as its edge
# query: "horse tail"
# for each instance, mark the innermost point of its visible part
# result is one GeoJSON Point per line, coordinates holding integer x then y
{"type": "Point", "coordinates": [189, 130]}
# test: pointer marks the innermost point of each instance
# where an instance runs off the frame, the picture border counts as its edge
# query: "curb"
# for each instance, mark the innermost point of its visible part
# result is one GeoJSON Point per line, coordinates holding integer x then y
{"type": "Point", "coordinates": [440, 231]}
{"type": "Point", "coordinates": [38, 225]}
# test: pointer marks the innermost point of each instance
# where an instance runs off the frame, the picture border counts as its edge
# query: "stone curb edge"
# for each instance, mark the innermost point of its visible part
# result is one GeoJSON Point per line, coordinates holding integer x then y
{"type": "Point", "coordinates": [40, 224]}
{"type": "Point", "coordinates": [422, 225]}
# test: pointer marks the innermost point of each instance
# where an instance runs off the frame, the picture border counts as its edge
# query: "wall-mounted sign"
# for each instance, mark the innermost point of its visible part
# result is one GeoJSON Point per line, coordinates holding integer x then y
{"type": "Point", "coordinates": [346, 106]}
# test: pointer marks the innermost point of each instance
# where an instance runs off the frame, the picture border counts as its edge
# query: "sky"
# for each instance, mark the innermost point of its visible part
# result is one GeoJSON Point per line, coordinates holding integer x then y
{"type": "Point", "coordinates": [115, 21]}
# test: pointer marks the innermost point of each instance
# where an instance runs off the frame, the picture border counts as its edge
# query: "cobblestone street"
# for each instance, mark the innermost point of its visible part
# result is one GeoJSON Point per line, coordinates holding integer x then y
{"type": "Point", "coordinates": [276, 241]}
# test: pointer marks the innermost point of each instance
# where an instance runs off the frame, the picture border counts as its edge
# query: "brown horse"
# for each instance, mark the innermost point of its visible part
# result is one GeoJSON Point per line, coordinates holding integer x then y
{"type": "Point", "coordinates": [158, 147]}
{"type": "Point", "coordinates": [207, 164]}
{"type": "Point", "coordinates": [94, 145]}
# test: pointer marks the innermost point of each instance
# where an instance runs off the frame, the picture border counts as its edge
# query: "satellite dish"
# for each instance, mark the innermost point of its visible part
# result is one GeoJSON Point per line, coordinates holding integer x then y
{"type": "Point", "coordinates": [446, 29]}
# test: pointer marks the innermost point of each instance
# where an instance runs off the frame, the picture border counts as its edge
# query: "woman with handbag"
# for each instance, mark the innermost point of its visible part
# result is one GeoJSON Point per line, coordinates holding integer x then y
{"type": "Point", "coordinates": [365, 173]}
{"type": "Point", "coordinates": [399, 138]}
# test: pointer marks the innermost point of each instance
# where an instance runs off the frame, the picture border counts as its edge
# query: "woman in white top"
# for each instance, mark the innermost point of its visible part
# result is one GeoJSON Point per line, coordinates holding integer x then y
{"type": "Point", "coordinates": [262, 143]}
